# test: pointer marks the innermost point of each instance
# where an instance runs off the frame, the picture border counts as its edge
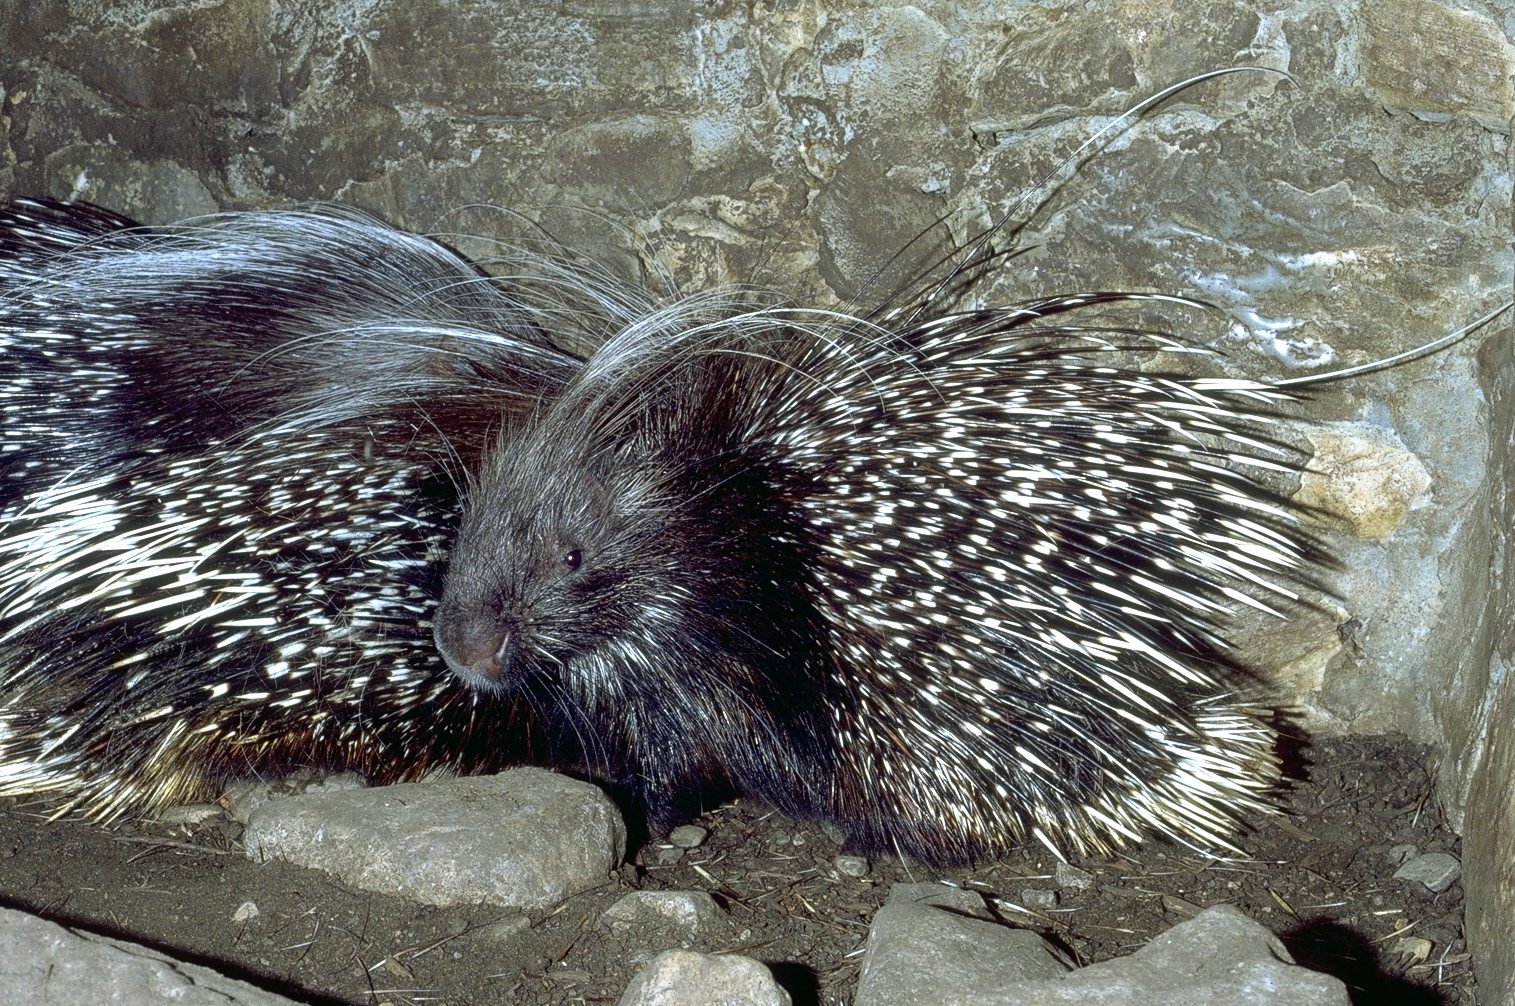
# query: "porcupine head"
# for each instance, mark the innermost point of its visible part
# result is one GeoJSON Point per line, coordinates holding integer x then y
{"type": "Point", "coordinates": [625, 564]}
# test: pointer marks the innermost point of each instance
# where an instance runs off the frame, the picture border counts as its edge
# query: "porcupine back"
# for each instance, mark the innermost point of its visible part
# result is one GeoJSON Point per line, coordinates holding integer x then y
{"type": "Point", "coordinates": [229, 453]}
{"type": "Point", "coordinates": [950, 581]}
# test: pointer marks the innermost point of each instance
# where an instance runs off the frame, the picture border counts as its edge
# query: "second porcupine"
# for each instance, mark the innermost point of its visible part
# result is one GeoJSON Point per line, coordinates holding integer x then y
{"type": "Point", "coordinates": [228, 453]}
{"type": "Point", "coordinates": [948, 581]}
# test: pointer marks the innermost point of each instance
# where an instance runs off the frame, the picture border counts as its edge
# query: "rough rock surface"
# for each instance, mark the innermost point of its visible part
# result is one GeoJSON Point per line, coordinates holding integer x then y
{"type": "Point", "coordinates": [930, 941]}
{"type": "Point", "coordinates": [47, 965]}
{"type": "Point", "coordinates": [683, 915]}
{"type": "Point", "coordinates": [934, 945]}
{"type": "Point", "coordinates": [521, 839]}
{"type": "Point", "coordinates": [685, 978]}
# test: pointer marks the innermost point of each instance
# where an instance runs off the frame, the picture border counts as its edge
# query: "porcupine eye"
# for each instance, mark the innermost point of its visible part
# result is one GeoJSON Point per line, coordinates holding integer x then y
{"type": "Point", "coordinates": [573, 558]}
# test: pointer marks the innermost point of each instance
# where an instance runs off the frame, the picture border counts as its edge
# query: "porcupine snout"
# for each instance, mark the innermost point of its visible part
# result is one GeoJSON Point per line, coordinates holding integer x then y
{"type": "Point", "coordinates": [479, 643]}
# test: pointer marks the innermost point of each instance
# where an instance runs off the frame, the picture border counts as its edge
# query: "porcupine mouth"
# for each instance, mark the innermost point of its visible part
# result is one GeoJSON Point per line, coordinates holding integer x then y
{"type": "Point", "coordinates": [474, 679]}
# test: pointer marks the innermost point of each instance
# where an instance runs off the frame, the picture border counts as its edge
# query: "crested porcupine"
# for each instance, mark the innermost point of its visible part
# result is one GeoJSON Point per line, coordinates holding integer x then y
{"type": "Point", "coordinates": [948, 579]}
{"type": "Point", "coordinates": [950, 582]}
{"type": "Point", "coordinates": [229, 453]}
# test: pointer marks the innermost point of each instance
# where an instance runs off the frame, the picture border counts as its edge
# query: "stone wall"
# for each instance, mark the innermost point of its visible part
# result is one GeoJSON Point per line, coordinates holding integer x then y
{"type": "Point", "coordinates": [1359, 208]}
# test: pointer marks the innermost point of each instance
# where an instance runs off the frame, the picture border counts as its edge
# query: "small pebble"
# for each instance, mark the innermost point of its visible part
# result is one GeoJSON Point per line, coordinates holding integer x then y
{"type": "Point", "coordinates": [1435, 870]}
{"type": "Point", "coordinates": [852, 866]}
{"type": "Point", "coordinates": [679, 915]}
{"type": "Point", "coordinates": [688, 836]}
{"type": "Point", "coordinates": [245, 911]}
{"type": "Point", "coordinates": [1414, 949]}
{"type": "Point", "coordinates": [1039, 899]}
{"type": "Point", "coordinates": [569, 977]}
{"type": "Point", "coordinates": [1072, 878]}
{"type": "Point", "coordinates": [1399, 855]}
{"type": "Point", "coordinates": [504, 929]}
{"type": "Point", "coordinates": [665, 855]}
{"type": "Point", "coordinates": [191, 814]}
{"type": "Point", "coordinates": [1179, 906]}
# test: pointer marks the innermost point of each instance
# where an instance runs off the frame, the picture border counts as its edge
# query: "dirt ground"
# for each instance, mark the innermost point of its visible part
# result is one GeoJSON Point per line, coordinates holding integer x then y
{"type": "Point", "coordinates": [1323, 879]}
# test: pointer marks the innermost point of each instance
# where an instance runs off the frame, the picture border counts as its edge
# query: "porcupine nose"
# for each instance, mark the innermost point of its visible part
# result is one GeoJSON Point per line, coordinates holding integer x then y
{"type": "Point", "coordinates": [473, 649]}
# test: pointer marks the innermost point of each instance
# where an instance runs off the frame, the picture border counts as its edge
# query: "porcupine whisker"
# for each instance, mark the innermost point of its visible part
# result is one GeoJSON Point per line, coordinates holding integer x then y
{"type": "Point", "coordinates": [976, 255]}
{"type": "Point", "coordinates": [665, 278]}
{"type": "Point", "coordinates": [817, 323]}
{"type": "Point", "coordinates": [1413, 353]}
{"type": "Point", "coordinates": [410, 333]}
{"type": "Point", "coordinates": [598, 759]}
{"type": "Point", "coordinates": [568, 311]}
{"type": "Point", "coordinates": [1064, 170]}
{"type": "Point", "coordinates": [525, 270]}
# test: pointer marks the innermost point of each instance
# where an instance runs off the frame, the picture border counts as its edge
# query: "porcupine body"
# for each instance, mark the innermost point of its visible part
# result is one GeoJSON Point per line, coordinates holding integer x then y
{"type": "Point", "coordinates": [229, 454]}
{"type": "Point", "coordinates": [949, 581]}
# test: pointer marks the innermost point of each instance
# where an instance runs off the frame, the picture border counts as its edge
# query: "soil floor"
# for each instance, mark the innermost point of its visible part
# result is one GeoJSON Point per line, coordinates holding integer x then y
{"type": "Point", "coordinates": [1322, 878]}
